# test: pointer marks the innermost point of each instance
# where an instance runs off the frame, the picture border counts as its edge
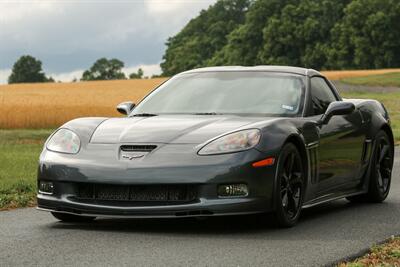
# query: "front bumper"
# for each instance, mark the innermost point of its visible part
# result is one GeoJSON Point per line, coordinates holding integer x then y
{"type": "Point", "coordinates": [204, 207]}
{"type": "Point", "coordinates": [173, 167]}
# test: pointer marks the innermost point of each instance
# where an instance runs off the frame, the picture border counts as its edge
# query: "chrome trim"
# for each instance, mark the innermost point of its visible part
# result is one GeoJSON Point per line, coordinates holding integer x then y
{"type": "Point", "coordinates": [312, 144]}
{"type": "Point", "coordinates": [45, 193]}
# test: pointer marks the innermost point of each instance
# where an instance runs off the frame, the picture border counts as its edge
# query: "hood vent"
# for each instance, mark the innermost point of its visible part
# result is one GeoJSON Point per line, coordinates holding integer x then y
{"type": "Point", "coordinates": [138, 148]}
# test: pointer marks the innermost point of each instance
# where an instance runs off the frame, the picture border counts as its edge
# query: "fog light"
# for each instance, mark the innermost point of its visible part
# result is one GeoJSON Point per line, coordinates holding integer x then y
{"type": "Point", "coordinates": [233, 190]}
{"type": "Point", "coordinates": [46, 187]}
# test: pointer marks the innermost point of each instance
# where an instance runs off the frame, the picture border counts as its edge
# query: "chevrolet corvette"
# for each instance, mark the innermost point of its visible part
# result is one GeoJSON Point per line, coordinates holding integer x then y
{"type": "Point", "coordinates": [221, 141]}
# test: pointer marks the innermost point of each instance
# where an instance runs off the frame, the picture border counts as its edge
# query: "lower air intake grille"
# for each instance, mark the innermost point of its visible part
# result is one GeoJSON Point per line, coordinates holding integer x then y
{"type": "Point", "coordinates": [137, 193]}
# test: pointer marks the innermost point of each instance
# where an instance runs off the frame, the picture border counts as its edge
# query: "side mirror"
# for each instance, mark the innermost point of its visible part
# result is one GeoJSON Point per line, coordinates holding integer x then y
{"type": "Point", "coordinates": [337, 108]}
{"type": "Point", "coordinates": [125, 107]}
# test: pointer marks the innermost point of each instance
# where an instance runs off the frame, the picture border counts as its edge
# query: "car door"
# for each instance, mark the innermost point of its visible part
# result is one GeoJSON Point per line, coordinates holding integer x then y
{"type": "Point", "coordinates": [341, 141]}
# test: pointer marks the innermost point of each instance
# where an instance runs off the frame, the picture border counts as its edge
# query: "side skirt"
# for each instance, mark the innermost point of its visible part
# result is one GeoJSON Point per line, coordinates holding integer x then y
{"type": "Point", "coordinates": [332, 197]}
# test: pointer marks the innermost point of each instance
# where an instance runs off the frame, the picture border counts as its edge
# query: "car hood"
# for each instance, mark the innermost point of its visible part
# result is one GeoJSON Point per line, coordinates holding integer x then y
{"type": "Point", "coordinates": [169, 129]}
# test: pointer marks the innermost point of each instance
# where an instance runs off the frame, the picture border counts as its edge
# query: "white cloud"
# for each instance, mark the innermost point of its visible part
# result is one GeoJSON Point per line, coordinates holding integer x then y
{"type": "Point", "coordinates": [168, 6]}
{"type": "Point", "coordinates": [149, 70]}
{"type": "Point", "coordinates": [4, 74]}
{"type": "Point", "coordinates": [67, 76]}
{"type": "Point", "coordinates": [12, 11]}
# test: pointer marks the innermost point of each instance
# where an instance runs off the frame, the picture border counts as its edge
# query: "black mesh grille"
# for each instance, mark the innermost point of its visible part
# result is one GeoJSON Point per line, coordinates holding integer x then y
{"type": "Point", "coordinates": [137, 193]}
{"type": "Point", "coordinates": [139, 148]}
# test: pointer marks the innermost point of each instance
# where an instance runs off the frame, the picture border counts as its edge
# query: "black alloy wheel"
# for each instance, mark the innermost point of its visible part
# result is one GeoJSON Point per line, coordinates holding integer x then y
{"type": "Point", "coordinates": [290, 186]}
{"type": "Point", "coordinates": [380, 171]}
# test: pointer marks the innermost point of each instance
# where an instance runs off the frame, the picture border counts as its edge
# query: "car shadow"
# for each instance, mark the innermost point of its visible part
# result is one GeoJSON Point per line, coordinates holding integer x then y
{"type": "Point", "coordinates": [316, 219]}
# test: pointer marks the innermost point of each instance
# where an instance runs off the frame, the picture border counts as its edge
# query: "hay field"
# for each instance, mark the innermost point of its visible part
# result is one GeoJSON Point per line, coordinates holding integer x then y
{"type": "Point", "coordinates": [49, 105]}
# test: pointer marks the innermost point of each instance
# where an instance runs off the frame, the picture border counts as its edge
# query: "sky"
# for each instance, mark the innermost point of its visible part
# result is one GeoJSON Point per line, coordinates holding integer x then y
{"type": "Point", "coordinates": [68, 36]}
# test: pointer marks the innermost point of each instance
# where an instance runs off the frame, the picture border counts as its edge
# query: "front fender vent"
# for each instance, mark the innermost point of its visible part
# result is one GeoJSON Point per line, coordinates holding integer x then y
{"type": "Point", "coordinates": [138, 148]}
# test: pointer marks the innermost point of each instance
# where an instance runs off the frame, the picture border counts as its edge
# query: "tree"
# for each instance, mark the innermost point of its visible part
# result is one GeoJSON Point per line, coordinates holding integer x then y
{"type": "Point", "coordinates": [203, 36]}
{"type": "Point", "coordinates": [320, 34]}
{"type": "Point", "coordinates": [368, 36]}
{"type": "Point", "coordinates": [138, 75]}
{"type": "Point", "coordinates": [299, 35]}
{"type": "Point", "coordinates": [27, 69]}
{"type": "Point", "coordinates": [246, 41]}
{"type": "Point", "coordinates": [104, 69]}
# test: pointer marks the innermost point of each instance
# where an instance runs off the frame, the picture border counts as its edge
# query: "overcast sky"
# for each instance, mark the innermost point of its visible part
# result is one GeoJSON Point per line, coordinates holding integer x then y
{"type": "Point", "coordinates": [69, 35]}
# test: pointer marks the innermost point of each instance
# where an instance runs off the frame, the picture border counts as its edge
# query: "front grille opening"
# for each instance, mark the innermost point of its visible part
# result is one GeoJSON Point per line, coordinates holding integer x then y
{"type": "Point", "coordinates": [138, 148]}
{"type": "Point", "coordinates": [137, 193]}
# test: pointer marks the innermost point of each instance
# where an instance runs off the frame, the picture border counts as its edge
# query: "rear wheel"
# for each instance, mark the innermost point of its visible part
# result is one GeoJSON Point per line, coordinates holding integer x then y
{"type": "Point", "coordinates": [289, 187]}
{"type": "Point", "coordinates": [380, 171]}
{"type": "Point", "coordinates": [65, 217]}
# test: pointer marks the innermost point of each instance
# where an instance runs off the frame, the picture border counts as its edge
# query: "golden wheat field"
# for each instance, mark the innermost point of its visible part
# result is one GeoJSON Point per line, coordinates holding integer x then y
{"type": "Point", "coordinates": [49, 105]}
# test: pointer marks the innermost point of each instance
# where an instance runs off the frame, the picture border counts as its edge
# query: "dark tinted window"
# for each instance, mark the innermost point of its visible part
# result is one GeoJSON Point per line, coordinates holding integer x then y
{"type": "Point", "coordinates": [228, 92]}
{"type": "Point", "coordinates": [321, 95]}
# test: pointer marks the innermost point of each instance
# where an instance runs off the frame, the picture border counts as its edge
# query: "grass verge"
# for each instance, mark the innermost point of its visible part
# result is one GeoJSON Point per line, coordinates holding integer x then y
{"type": "Point", "coordinates": [387, 79]}
{"type": "Point", "coordinates": [387, 254]}
{"type": "Point", "coordinates": [19, 155]}
{"type": "Point", "coordinates": [391, 100]}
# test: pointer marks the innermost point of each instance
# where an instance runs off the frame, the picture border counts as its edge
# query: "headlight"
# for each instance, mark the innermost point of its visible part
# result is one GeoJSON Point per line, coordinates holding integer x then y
{"type": "Point", "coordinates": [233, 142]}
{"type": "Point", "coordinates": [64, 141]}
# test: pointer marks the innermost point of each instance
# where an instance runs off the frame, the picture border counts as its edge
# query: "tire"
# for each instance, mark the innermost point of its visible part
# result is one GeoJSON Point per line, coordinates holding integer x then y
{"type": "Point", "coordinates": [65, 217]}
{"type": "Point", "coordinates": [289, 188]}
{"type": "Point", "coordinates": [380, 174]}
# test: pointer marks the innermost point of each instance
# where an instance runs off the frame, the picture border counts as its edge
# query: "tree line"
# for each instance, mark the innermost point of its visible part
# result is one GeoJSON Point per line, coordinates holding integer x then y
{"type": "Point", "coordinates": [320, 34]}
{"type": "Point", "coordinates": [28, 69]}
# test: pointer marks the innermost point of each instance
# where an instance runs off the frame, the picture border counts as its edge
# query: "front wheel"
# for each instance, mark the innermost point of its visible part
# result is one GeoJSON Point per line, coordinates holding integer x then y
{"type": "Point", "coordinates": [65, 217]}
{"type": "Point", "coordinates": [289, 189]}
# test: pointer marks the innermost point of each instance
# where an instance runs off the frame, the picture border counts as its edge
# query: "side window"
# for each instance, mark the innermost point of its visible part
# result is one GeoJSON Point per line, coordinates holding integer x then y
{"type": "Point", "coordinates": [321, 95]}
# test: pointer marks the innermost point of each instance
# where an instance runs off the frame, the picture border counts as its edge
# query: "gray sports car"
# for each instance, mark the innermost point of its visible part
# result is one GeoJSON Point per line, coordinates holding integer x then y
{"type": "Point", "coordinates": [221, 141]}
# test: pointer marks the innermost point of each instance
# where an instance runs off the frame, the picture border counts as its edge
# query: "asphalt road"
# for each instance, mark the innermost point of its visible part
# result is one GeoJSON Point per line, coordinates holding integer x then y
{"type": "Point", "coordinates": [323, 235]}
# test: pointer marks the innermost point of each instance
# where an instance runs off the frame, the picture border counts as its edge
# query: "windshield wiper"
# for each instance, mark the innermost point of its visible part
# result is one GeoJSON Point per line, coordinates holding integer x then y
{"type": "Point", "coordinates": [207, 113]}
{"type": "Point", "coordinates": [144, 115]}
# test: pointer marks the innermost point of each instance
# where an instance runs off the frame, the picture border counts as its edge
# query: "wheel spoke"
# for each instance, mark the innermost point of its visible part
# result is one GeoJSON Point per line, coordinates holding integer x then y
{"type": "Point", "coordinates": [286, 178]}
{"type": "Point", "coordinates": [386, 171]}
{"type": "Point", "coordinates": [380, 179]}
{"type": "Point", "coordinates": [290, 164]}
{"type": "Point", "coordinates": [292, 204]}
{"type": "Point", "coordinates": [384, 150]}
{"type": "Point", "coordinates": [296, 179]}
{"type": "Point", "coordinates": [296, 197]}
{"type": "Point", "coordinates": [285, 200]}
{"type": "Point", "coordinates": [385, 184]}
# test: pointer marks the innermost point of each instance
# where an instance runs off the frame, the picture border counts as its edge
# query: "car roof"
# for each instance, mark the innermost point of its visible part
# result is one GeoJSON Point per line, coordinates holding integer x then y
{"type": "Point", "coordinates": [264, 68]}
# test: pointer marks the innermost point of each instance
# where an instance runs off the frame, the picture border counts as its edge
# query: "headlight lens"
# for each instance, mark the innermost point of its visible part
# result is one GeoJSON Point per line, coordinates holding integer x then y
{"type": "Point", "coordinates": [64, 141]}
{"type": "Point", "coordinates": [233, 142]}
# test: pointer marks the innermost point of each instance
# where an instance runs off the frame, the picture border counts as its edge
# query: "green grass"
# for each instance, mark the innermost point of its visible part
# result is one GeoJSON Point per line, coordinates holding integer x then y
{"type": "Point", "coordinates": [388, 79]}
{"type": "Point", "coordinates": [391, 100]}
{"type": "Point", "coordinates": [19, 156]}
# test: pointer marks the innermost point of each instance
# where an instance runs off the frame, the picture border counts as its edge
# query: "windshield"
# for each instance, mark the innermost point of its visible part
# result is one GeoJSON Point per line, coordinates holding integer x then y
{"type": "Point", "coordinates": [275, 94]}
